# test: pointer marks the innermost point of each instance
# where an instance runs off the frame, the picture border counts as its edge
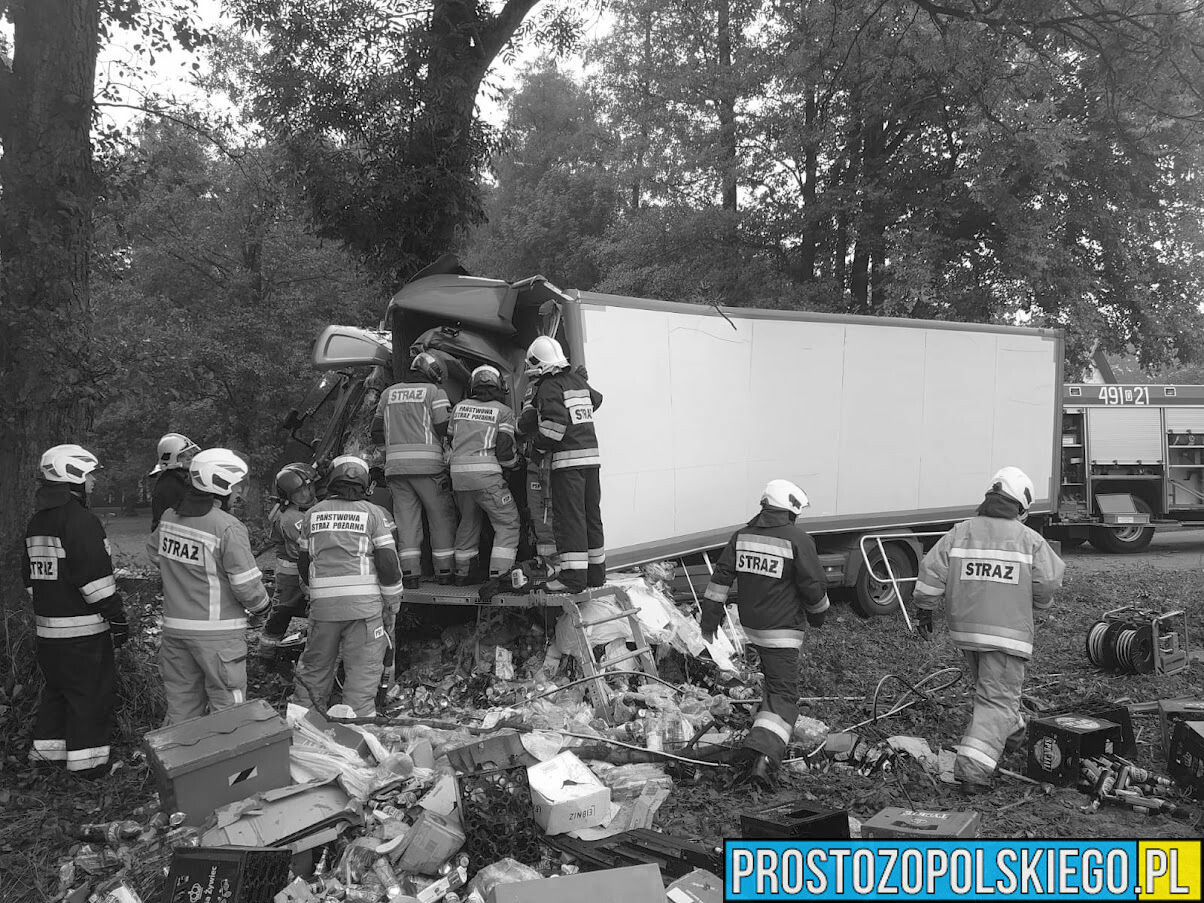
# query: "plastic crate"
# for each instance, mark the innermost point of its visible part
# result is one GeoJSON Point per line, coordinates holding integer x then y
{"type": "Point", "coordinates": [227, 874]}
{"type": "Point", "coordinates": [498, 820]}
{"type": "Point", "coordinates": [791, 821]}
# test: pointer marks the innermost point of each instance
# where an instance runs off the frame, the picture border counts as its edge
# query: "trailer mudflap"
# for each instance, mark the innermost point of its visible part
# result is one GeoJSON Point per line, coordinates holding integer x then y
{"type": "Point", "coordinates": [1120, 509]}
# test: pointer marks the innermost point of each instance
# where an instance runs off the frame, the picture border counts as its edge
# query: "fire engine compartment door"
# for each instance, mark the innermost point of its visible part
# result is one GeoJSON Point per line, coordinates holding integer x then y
{"type": "Point", "coordinates": [1125, 435]}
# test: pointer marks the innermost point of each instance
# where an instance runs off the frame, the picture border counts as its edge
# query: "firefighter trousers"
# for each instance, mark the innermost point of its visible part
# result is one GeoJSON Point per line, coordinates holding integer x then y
{"type": "Point", "coordinates": [288, 603]}
{"type": "Point", "coordinates": [997, 724]}
{"type": "Point", "coordinates": [775, 720]}
{"type": "Point", "coordinates": [577, 523]}
{"type": "Point", "coordinates": [75, 710]}
{"type": "Point", "coordinates": [361, 644]}
{"type": "Point", "coordinates": [412, 494]}
{"type": "Point", "coordinates": [202, 674]}
{"type": "Point", "coordinates": [539, 503]}
{"type": "Point", "coordinates": [496, 503]}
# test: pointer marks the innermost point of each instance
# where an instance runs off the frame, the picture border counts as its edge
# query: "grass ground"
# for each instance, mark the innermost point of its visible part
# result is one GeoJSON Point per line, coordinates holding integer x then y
{"type": "Point", "coordinates": [847, 658]}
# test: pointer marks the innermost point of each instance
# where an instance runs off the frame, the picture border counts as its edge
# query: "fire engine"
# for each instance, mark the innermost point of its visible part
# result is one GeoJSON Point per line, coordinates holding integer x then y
{"type": "Point", "coordinates": [1132, 461]}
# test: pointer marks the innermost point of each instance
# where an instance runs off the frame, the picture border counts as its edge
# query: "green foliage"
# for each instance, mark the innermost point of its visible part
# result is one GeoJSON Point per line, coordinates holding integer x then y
{"type": "Point", "coordinates": [211, 291]}
{"type": "Point", "coordinates": [374, 104]}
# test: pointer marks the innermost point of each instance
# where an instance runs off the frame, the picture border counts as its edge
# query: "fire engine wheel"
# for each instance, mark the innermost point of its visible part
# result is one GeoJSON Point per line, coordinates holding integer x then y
{"type": "Point", "coordinates": [1124, 540]}
{"type": "Point", "coordinates": [872, 597]}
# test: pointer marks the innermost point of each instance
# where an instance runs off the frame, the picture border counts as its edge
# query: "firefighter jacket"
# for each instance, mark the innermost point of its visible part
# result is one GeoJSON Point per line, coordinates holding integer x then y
{"type": "Point", "coordinates": [482, 436]}
{"type": "Point", "coordinates": [285, 532]}
{"type": "Point", "coordinates": [993, 571]}
{"type": "Point", "coordinates": [210, 578]}
{"type": "Point", "coordinates": [349, 560]}
{"type": "Point", "coordinates": [564, 404]}
{"type": "Point", "coordinates": [66, 567]}
{"type": "Point", "coordinates": [781, 581]}
{"type": "Point", "coordinates": [169, 491]}
{"type": "Point", "coordinates": [411, 420]}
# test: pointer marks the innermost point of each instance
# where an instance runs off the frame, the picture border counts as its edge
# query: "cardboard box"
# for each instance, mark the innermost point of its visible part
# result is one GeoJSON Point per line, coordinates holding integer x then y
{"type": "Point", "coordinates": [431, 841]}
{"type": "Point", "coordinates": [566, 795]}
{"type": "Point", "coordinates": [341, 733]}
{"type": "Point", "coordinates": [207, 762]}
{"type": "Point", "coordinates": [637, 884]}
{"type": "Point", "coordinates": [1057, 745]}
{"type": "Point", "coordinates": [1172, 711]}
{"type": "Point", "coordinates": [700, 886]}
{"type": "Point", "coordinates": [1185, 758]}
{"type": "Point", "coordinates": [299, 817]}
{"type": "Point", "coordinates": [914, 823]}
{"type": "Point", "coordinates": [443, 798]}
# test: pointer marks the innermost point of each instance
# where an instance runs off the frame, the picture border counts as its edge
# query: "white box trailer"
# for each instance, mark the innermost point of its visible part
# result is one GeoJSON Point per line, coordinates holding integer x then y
{"type": "Point", "coordinates": [888, 424]}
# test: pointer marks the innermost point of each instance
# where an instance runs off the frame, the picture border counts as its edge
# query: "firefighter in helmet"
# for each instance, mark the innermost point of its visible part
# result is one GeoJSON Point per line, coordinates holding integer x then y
{"type": "Point", "coordinates": [411, 422]}
{"type": "Point", "coordinates": [348, 560]}
{"type": "Point", "coordinates": [781, 584]}
{"type": "Point", "coordinates": [80, 620]}
{"type": "Point", "coordinates": [212, 590]}
{"type": "Point", "coordinates": [483, 444]}
{"type": "Point", "coordinates": [564, 404]}
{"type": "Point", "coordinates": [295, 494]}
{"type": "Point", "coordinates": [993, 571]}
{"type": "Point", "coordinates": [175, 453]}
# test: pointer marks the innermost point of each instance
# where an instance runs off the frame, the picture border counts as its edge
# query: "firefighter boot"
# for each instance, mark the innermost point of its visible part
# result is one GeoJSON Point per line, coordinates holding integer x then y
{"type": "Point", "coordinates": [411, 581]}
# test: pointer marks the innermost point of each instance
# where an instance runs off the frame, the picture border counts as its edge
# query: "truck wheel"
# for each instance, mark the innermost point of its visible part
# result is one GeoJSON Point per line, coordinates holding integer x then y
{"type": "Point", "coordinates": [871, 597]}
{"type": "Point", "coordinates": [1124, 540]}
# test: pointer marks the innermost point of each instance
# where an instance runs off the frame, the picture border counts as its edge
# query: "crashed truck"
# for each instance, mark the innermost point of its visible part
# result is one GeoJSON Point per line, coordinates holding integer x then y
{"type": "Point", "coordinates": [890, 425]}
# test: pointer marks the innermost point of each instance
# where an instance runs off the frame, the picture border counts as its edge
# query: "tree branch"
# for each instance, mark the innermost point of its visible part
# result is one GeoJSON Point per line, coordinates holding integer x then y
{"type": "Point", "coordinates": [505, 24]}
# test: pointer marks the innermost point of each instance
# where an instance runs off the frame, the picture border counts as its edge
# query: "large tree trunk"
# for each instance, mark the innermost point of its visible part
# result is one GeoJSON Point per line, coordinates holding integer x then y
{"type": "Point", "coordinates": [463, 41]}
{"type": "Point", "coordinates": [45, 241]}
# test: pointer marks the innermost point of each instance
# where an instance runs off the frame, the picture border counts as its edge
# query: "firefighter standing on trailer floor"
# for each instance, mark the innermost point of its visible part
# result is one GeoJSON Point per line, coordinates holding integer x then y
{"type": "Point", "coordinates": [539, 500]}
{"type": "Point", "coordinates": [210, 585]}
{"type": "Point", "coordinates": [411, 422]}
{"type": "Point", "coordinates": [483, 443]}
{"type": "Point", "coordinates": [565, 404]}
{"type": "Point", "coordinates": [349, 561]}
{"type": "Point", "coordinates": [175, 454]}
{"type": "Point", "coordinates": [781, 583]}
{"type": "Point", "coordinates": [80, 619]}
{"type": "Point", "coordinates": [993, 571]}
{"type": "Point", "coordinates": [295, 487]}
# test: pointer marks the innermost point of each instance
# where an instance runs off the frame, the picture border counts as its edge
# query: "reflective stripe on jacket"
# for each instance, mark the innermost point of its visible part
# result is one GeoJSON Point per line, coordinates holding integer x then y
{"type": "Point", "coordinates": [410, 412]}
{"type": "Point", "coordinates": [210, 578]}
{"type": "Point", "coordinates": [482, 441]}
{"type": "Point", "coordinates": [565, 404]}
{"type": "Point", "coordinates": [340, 537]}
{"type": "Point", "coordinates": [66, 565]}
{"type": "Point", "coordinates": [781, 581]}
{"type": "Point", "coordinates": [993, 572]}
{"type": "Point", "coordinates": [286, 534]}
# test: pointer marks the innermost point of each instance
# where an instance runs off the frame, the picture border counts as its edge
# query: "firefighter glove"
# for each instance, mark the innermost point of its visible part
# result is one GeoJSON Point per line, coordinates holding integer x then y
{"type": "Point", "coordinates": [924, 622]}
{"type": "Point", "coordinates": [708, 634]}
{"type": "Point", "coordinates": [816, 620]}
{"type": "Point", "coordinates": [119, 628]}
{"type": "Point", "coordinates": [582, 372]}
{"type": "Point", "coordinates": [259, 617]}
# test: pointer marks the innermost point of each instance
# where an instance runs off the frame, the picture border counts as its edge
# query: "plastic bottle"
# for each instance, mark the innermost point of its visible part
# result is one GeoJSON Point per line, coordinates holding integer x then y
{"type": "Point", "coordinates": [652, 728]}
{"type": "Point", "coordinates": [384, 871]}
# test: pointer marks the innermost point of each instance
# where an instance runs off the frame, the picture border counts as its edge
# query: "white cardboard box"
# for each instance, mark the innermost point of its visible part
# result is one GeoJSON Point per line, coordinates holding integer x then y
{"type": "Point", "coordinates": [566, 795]}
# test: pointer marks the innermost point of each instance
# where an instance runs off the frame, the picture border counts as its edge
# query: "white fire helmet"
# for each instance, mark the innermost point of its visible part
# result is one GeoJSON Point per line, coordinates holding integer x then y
{"type": "Point", "coordinates": [175, 451]}
{"type": "Point", "coordinates": [1015, 484]}
{"type": "Point", "coordinates": [785, 495]}
{"type": "Point", "coordinates": [349, 469]}
{"type": "Point", "coordinates": [545, 356]}
{"type": "Point", "coordinates": [68, 464]}
{"type": "Point", "coordinates": [485, 375]}
{"type": "Point", "coordinates": [217, 471]}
